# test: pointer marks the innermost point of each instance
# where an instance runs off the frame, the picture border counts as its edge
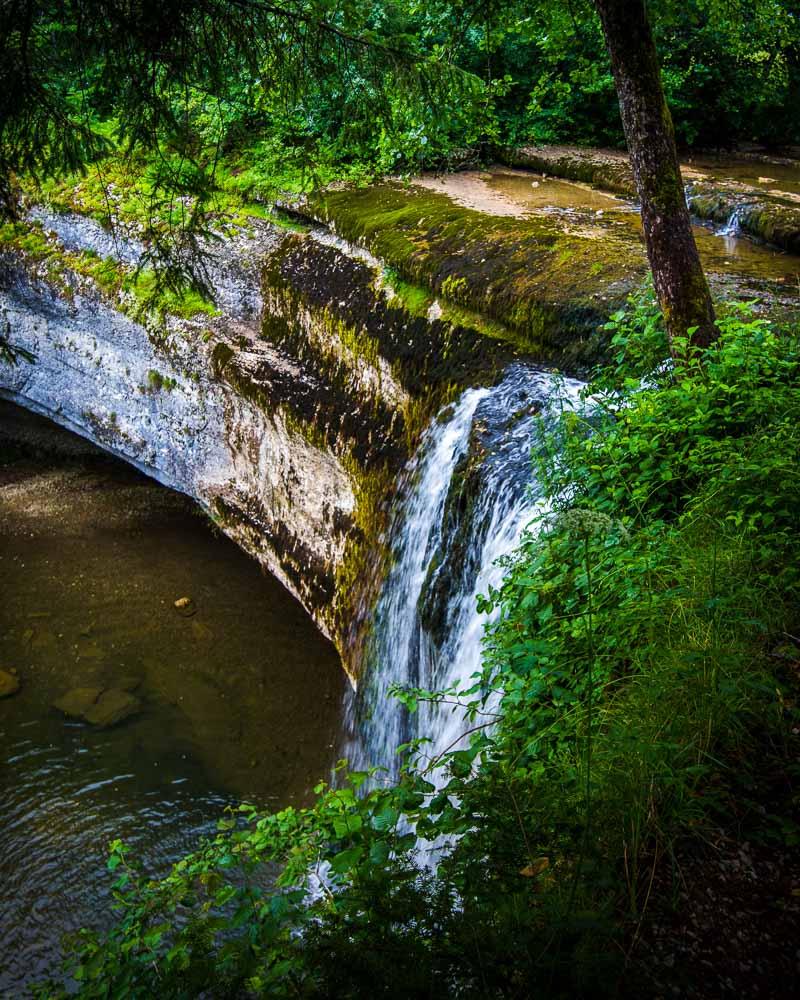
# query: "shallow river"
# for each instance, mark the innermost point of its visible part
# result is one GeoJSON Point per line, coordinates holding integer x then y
{"type": "Point", "coordinates": [241, 700]}
{"type": "Point", "coordinates": [746, 268]}
{"type": "Point", "coordinates": [728, 254]}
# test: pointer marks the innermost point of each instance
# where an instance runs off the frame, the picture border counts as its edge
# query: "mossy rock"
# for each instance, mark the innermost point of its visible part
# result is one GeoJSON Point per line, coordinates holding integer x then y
{"type": "Point", "coordinates": [425, 354]}
{"type": "Point", "coordinates": [98, 706]}
{"type": "Point", "coordinates": [546, 290]}
{"type": "Point", "coordinates": [112, 707]}
{"type": "Point", "coordinates": [770, 219]}
{"type": "Point", "coordinates": [77, 702]}
{"type": "Point", "coordinates": [603, 168]}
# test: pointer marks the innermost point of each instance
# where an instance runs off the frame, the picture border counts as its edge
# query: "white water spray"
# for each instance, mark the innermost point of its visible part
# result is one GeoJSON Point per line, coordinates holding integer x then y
{"type": "Point", "coordinates": [470, 495]}
{"type": "Point", "coordinates": [733, 227]}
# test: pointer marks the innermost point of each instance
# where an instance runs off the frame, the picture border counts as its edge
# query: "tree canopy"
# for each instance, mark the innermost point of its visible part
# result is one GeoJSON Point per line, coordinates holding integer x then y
{"type": "Point", "coordinates": [364, 81]}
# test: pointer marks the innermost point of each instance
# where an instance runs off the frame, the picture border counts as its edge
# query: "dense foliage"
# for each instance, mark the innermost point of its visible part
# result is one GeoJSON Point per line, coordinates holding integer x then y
{"type": "Point", "coordinates": [731, 72]}
{"type": "Point", "coordinates": [390, 83]}
{"type": "Point", "coordinates": [628, 692]}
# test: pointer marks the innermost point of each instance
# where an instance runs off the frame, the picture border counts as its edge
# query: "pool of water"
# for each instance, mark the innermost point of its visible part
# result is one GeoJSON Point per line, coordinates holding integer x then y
{"type": "Point", "coordinates": [241, 700]}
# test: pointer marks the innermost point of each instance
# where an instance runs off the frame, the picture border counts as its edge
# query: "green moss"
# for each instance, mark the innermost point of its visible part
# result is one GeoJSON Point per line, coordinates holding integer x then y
{"type": "Point", "coordinates": [126, 190]}
{"type": "Point", "coordinates": [534, 280]}
{"type": "Point", "coordinates": [453, 287]}
{"type": "Point", "coordinates": [416, 299]}
{"type": "Point", "coordinates": [56, 265]}
{"type": "Point", "coordinates": [365, 562]}
{"type": "Point", "coordinates": [220, 357]}
{"type": "Point", "coordinates": [156, 382]}
{"type": "Point", "coordinates": [150, 295]}
{"type": "Point", "coordinates": [349, 321]}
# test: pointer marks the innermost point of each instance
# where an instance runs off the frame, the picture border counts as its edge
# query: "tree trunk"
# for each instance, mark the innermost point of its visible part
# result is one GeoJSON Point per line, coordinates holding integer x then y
{"type": "Point", "coordinates": [680, 283]}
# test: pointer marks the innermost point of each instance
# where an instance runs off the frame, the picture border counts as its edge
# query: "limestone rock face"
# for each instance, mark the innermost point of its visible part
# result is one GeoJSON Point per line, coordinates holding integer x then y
{"type": "Point", "coordinates": [288, 414]}
{"type": "Point", "coordinates": [9, 684]}
{"type": "Point", "coordinates": [244, 456]}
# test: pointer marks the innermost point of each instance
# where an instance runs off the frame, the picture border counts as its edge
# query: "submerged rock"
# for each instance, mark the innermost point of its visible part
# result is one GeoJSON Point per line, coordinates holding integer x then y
{"type": "Point", "coordinates": [9, 684]}
{"type": "Point", "coordinates": [97, 706]}
{"type": "Point", "coordinates": [77, 702]}
{"type": "Point", "coordinates": [185, 606]}
{"type": "Point", "coordinates": [112, 707]}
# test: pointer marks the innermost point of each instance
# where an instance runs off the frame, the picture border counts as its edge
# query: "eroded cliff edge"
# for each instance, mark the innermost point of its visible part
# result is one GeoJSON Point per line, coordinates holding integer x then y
{"type": "Point", "coordinates": [290, 410]}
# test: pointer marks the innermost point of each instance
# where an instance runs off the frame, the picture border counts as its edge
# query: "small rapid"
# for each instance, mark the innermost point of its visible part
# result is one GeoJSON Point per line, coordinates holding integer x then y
{"type": "Point", "coordinates": [470, 493]}
{"type": "Point", "coordinates": [733, 227]}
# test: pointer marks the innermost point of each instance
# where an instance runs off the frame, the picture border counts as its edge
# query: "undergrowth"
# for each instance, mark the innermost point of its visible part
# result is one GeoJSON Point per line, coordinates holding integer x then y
{"type": "Point", "coordinates": [633, 697]}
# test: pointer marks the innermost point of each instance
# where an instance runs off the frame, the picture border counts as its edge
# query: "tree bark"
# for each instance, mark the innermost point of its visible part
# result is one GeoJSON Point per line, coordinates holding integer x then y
{"type": "Point", "coordinates": [678, 275]}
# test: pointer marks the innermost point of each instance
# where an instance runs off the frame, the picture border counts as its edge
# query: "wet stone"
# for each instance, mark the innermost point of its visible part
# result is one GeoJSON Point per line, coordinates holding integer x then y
{"type": "Point", "coordinates": [77, 702]}
{"type": "Point", "coordinates": [9, 684]}
{"type": "Point", "coordinates": [112, 707]}
{"type": "Point", "coordinates": [185, 606]}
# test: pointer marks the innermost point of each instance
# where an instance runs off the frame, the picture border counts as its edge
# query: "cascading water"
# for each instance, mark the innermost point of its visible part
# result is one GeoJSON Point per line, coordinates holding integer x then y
{"type": "Point", "coordinates": [733, 226]}
{"type": "Point", "coordinates": [470, 495]}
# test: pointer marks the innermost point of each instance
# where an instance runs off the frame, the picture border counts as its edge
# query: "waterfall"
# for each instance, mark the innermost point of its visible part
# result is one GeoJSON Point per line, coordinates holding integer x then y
{"type": "Point", "coordinates": [469, 494]}
{"type": "Point", "coordinates": [733, 226]}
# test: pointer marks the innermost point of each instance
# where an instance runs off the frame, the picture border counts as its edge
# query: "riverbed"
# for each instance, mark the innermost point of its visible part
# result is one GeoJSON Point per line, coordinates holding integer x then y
{"type": "Point", "coordinates": [745, 267]}
{"type": "Point", "coordinates": [239, 694]}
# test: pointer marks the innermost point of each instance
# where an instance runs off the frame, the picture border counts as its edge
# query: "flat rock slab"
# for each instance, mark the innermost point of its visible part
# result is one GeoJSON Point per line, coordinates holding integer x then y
{"type": "Point", "coordinates": [99, 707]}
{"type": "Point", "coordinates": [112, 707]}
{"type": "Point", "coordinates": [9, 684]}
{"type": "Point", "coordinates": [77, 702]}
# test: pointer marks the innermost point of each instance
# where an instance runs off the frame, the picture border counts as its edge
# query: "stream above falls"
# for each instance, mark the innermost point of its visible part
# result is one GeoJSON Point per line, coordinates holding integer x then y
{"type": "Point", "coordinates": [240, 700]}
{"type": "Point", "coordinates": [582, 208]}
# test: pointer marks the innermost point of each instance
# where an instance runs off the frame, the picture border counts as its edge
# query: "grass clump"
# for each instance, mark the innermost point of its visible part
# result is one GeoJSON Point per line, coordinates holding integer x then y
{"type": "Point", "coordinates": [156, 382]}
{"type": "Point", "coordinates": [628, 701]}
